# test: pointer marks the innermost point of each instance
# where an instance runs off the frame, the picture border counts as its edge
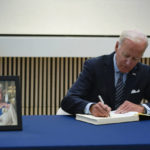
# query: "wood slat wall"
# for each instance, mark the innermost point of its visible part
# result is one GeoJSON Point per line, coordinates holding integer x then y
{"type": "Point", "coordinates": [44, 81]}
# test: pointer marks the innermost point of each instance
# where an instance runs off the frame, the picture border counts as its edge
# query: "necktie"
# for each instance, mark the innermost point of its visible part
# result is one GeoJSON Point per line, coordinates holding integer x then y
{"type": "Point", "coordinates": [119, 91]}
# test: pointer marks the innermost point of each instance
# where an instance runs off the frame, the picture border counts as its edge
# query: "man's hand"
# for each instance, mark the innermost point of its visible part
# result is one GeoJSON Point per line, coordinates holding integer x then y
{"type": "Point", "coordinates": [100, 110]}
{"type": "Point", "coordinates": [129, 106]}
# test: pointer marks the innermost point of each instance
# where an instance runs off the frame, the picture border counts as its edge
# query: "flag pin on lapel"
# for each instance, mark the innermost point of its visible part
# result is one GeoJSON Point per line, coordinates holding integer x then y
{"type": "Point", "coordinates": [134, 74]}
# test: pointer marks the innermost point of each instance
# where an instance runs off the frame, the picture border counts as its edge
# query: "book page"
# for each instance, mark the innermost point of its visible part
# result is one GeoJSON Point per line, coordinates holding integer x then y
{"type": "Point", "coordinates": [112, 115]}
{"type": "Point", "coordinates": [132, 113]}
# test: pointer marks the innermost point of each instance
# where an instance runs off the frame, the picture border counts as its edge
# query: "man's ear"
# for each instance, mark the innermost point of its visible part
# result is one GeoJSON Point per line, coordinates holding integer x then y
{"type": "Point", "coordinates": [116, 46]}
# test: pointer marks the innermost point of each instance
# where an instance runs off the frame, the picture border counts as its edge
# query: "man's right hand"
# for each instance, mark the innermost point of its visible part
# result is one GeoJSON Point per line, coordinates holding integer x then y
{"type": "Point", "coordinates": [100, 110]}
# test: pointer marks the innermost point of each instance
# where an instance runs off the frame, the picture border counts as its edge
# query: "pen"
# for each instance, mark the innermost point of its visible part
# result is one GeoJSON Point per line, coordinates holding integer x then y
{"type": "Point", "coordinates": [100, 98]}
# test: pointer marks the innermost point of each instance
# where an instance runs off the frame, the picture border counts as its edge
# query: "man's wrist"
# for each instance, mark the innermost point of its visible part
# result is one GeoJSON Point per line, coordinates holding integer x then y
{"type": "Point", "coordinates": [87, 108]}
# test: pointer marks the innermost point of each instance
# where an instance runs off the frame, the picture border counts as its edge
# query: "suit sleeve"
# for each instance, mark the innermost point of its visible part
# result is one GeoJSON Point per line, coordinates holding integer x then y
{"type": "Point", "coordinates": [147, 89]}
{"type": "Point", "coordinates": [75, 100]}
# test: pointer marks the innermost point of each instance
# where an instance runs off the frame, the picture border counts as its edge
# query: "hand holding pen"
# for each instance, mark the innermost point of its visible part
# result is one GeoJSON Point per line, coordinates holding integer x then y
{"type": "Point", "coordinates": [100, 109]}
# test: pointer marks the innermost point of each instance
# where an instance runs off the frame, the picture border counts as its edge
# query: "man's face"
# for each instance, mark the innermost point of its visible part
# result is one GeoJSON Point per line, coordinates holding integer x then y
{"type": "Point", "coordinates": [128, 54]}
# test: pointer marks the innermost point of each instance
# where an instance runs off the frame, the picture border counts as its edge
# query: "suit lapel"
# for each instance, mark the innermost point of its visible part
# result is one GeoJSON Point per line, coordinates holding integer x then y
{"type": "Point", "coordinates": [130, 83]}
{"type": "Point", "coordinates": [109, 72]}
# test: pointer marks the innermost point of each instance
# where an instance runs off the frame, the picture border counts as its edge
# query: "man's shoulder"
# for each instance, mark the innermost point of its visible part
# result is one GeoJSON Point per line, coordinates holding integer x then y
{"type": "Point", "coordinates": [100, 59]}
{"type": "Point", "coordinates": [144, 67]}
{"type": "Point", "coordinates": [142, 70]}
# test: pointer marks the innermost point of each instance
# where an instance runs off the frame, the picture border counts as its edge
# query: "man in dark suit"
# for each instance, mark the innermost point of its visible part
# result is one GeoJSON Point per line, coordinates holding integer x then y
{"type": "Point", "coordinates": [100, 76]}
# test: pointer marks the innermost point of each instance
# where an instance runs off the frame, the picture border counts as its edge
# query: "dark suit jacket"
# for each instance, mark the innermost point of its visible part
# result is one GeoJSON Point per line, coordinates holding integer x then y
{"type": "Point", "coordinates": [97, 78]}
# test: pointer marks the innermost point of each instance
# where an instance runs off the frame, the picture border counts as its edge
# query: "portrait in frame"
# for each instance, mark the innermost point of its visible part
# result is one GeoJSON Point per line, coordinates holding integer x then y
{"type": "Point", "coordinates": [10, 103]}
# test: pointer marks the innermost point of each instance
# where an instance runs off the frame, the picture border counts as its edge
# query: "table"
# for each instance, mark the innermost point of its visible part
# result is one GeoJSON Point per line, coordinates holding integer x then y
{"type": "Point", "coordinates": [66, 133]}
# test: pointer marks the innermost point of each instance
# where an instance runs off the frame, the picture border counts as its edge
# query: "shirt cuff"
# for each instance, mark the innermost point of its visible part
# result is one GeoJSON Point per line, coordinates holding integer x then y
{"type": "Point", "coordinates": [147, 108]}
{"type": "Point", "coordinates": [87, 108]}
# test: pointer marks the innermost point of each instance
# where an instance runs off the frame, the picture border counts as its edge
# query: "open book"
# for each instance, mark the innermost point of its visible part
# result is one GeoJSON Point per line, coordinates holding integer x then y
{"type": "Point", "coordinates": [113, 118]}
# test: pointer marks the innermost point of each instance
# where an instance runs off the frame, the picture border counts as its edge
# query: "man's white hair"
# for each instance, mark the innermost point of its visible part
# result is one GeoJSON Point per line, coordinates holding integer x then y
{"type": "Point", "coordinates": [133, 35]}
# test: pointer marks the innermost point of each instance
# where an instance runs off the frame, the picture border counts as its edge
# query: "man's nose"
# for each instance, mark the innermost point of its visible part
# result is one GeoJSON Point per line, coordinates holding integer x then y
{"type": "Point", "coordinates": [129, 61]}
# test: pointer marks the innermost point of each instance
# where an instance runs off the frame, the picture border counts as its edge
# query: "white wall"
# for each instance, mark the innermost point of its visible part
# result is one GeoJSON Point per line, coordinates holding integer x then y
{"type": "Point", "coordinates": [35, 46]}
{"type": "Point", "coordinates": [73, 17]}
{"type": "Point", "coordinates": [68, 17]}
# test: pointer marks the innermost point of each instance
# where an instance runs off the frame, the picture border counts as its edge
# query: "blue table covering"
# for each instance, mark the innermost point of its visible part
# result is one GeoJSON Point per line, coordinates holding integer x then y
{"type": "Point", "coordinates": [64, 132]}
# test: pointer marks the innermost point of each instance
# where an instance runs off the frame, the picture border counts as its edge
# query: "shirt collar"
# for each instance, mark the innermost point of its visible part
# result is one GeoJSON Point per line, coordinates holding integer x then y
{"type": "Point", "coordinates": [115, 64]}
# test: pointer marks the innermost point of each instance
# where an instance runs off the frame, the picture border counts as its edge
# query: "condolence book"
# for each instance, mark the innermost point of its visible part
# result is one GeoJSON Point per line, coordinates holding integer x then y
{"type": "Point", "coordinates": [113, 118]}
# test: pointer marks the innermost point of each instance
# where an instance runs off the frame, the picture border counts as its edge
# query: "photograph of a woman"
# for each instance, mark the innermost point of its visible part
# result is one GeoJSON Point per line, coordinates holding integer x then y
{"type": "Point", "coordinates": [8, 115]}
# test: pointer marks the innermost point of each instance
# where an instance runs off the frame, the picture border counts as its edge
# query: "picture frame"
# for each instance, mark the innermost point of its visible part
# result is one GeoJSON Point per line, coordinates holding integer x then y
{"type": "Point", "coordinates": [10, 103]}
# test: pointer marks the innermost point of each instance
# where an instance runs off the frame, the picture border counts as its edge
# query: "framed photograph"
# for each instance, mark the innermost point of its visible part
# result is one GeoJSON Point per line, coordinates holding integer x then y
{"type": "Point", "coordinates": [10, 103]}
